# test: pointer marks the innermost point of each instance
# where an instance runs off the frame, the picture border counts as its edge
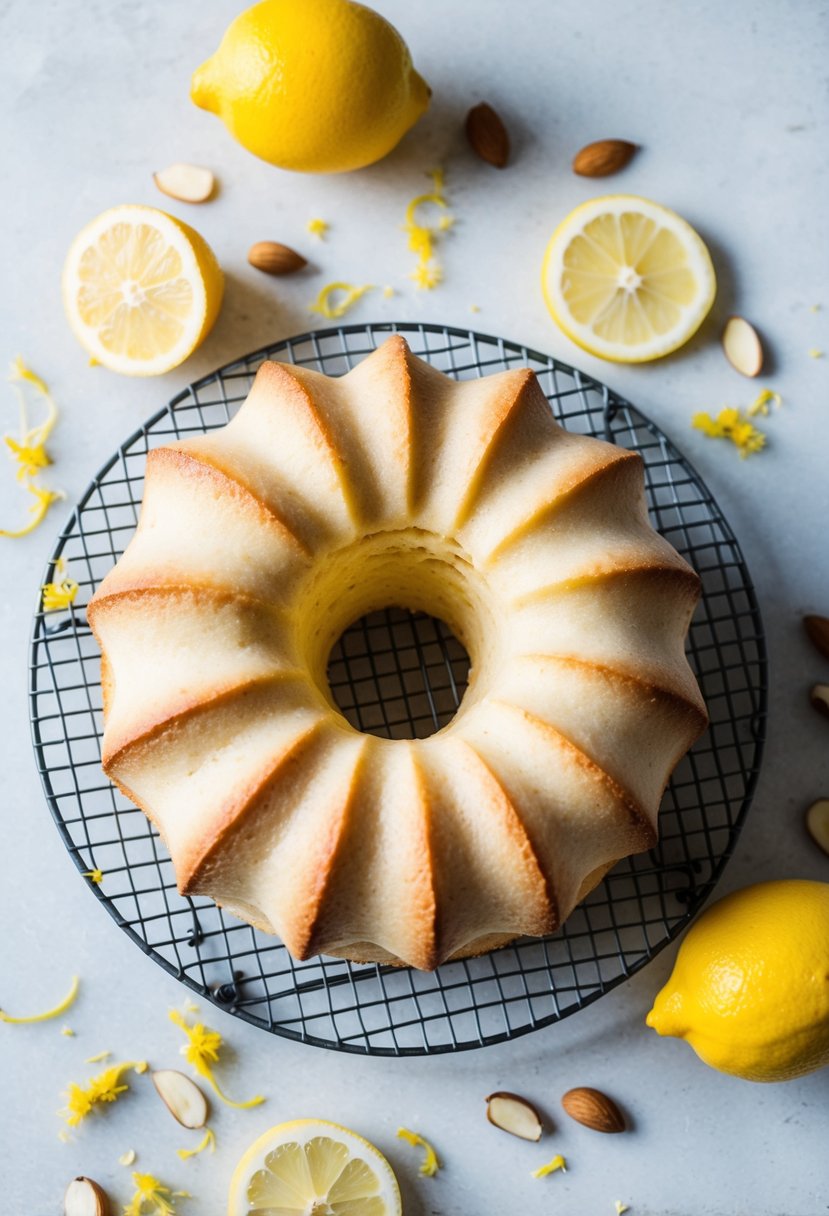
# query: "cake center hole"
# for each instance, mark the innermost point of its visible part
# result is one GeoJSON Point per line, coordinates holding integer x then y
{"type": "Point", "coordinates": [398, 674]}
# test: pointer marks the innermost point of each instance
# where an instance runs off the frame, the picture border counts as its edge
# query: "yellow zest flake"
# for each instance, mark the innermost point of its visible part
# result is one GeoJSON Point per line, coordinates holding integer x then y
{"type": "Point", "coordinates": [318, 227]}
{"type": "Point", "coordinates": [323, 304]}
{"type": "Point", "coordinates": [202, 1051]}
{"type": "Point", "coordinates": [621, 1207]}
{"type": "Point", "coordinates": [107, 1086]}
{"type": "Point", "coordinates": [815, 353]}
{"type": "Point", "coordinates": [190, 1006]}
{"type": "Point", "coordinates": [29, 451]}
{"type": "Point", "coordinates": [209, 1138]}
{"type": "Point", "coordinates": [43, 501]}
{"type": "Point", "coordinates": [67, 1031]}
{"type": "Point", "coordinates": [63, 1136]}
{"type": "Point", "coordinates": [152, 1198]}
{"type": "Point", "coordinates": [127, 1158]}
{"type": "Point", "coordinates": [388, 292]}
{"type": "Point", "coordinates": [760, 404]}
{"type": "Point", "coordinates": [557, 1163]}
{"type": "Point", "coordinates": [426, 275]}
{"type": "Point", "coordinates": [96, 876]}
{"type": "Point", "coordinates": [474, 308]}
{"type": "Point", "coordinates": [60, 1008]}
{"type": "Point", "coordinates": [430, 1164]}
{"type": "Point", "coordinates": [102, 1055]}
{"type": "Point", "coordinates": [731, 424]}
{"type": "Point", "coordinates": [61, 593]}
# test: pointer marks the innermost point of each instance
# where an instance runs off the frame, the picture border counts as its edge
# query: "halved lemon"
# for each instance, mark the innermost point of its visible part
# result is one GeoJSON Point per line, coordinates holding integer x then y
{"type": "Point", "coordinates": [627, 279]}
{"type": "Point", "coordinates": [313, 1168]}
{"type": "Point", "coordinates": [141, 290]}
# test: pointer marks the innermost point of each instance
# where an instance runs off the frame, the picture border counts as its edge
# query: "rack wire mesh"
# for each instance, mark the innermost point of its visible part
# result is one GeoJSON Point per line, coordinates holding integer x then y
{"type": "Point", "coordinates": [403, 674]}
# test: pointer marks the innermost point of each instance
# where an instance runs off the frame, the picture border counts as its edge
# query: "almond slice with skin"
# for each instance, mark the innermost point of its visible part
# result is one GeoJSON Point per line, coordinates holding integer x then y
{"type": "Point", "coordinates": [514, 1114]}
{"type": "Point", "coordinates": [182, 1097]}
{"type": "Point", "coordinates": [84, 1197]}
{"type": "Point", "coordinates": [187, 183]}
{"type": "Point", "coordinates": [817, 823]}
{"type": "Point", "coordinates": [742, 346]}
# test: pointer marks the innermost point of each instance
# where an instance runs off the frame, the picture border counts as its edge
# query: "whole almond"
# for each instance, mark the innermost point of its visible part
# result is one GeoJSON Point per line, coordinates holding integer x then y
{"type": "Point", "coordinates": [85, 1198]}
{"type": "Point", "coordinates": [817, 630]}
{"type": "Point", "coordinates": [273, 258]}
{"type": "Point", "coordinates": [487, 135]}
{"type": "Point", "coordinates": [603, 157]}
{"type": "Point", "coordinates": [593, 1109]}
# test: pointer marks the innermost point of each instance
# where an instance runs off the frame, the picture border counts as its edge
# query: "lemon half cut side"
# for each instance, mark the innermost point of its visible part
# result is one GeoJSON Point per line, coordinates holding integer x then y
{"type": "Point", "coordinates": [141, 290]}
{"type": "Point", "coordinates": [309, 1167]}
{"type": "Point", "coordinates": [627, 279]}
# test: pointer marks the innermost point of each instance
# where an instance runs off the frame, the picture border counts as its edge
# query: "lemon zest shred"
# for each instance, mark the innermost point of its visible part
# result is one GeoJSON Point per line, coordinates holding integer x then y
{"type": "Point", "coordinates": [96, 876]}
{"type": "Point", "coordinates": [731, 424]}
{"type": "Point", "coordinates": [60, 1008]}
{"type": "Point", "coordinates": [202, 1051]}
{"type": "Point", "coordinates": [430, 1164]}
{"type": "Point", "coordinates": [67, 1031]}
{"type": "Point", "coordinates": [42, 503]}
{"type": "Point", "coordinates": [150, 1191]}
{"type": "Point", "coordinates": [107, 1086]}
{"type": "Point", "coordinates": [102, 1055]}
{"type": "Point", "coordinates": [426, 275]}
{"type": "Point", "coordinates": [209, 1139]}
{"type": "Point", "coordinates": [621, 1207]}
{"type": "Point", "coordinates": [318, 227]}
{"type": "Point", "coordinates": [388, 292]}
{"type": "Point", "coordinates": [815, 352]}
{"type": "Point", "coordinates": [353, 293]}
{"type": "Point", "coordinates": [63, 1136]}
{"type": "Point", "coordinates": [760, 404]}
{"type": "Point", "coordinates": [60, 593]}
{"type": "Point", "coordinates": [557, 1163]}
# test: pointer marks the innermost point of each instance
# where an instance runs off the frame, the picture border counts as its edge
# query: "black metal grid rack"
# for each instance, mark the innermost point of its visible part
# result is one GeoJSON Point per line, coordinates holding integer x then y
{"type": "Point", "coordinates": [397, 673]}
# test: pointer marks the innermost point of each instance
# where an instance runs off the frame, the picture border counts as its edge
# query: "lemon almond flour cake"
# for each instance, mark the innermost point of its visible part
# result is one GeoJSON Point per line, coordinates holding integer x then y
{"type": "Point", "coordinates": [325, 499]}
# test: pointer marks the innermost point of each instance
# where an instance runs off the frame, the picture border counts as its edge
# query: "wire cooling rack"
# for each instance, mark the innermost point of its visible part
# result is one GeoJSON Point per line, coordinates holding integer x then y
{"type": "Point", "coordinates": [401, 674]}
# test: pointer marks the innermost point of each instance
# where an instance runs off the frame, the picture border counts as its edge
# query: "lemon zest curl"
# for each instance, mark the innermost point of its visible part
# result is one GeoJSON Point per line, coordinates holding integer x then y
{"type": "Point", "coordinates": [29, 451]}
{"type": "Point", "coordinates": [353, 293]}
{"type": "Point", "coordinates": [60, 1008]}
{"type": "Point", "coordinates": [731, 423]}
{"type": "Point", "coordinates": [557, 1163]}
{"type": "Point", "coordinates": [430, 1164]}
{"type": "Point", "coordinates": [202, 1051]}
{"type": "Point", "coordinates": [149, 1191]}
{"type": "Point", "coordinates": [106, 1087]}
{"type": "Point", "coordinates": [208, 1140]}
{"type": "Point", "coordinates": [61, 593]}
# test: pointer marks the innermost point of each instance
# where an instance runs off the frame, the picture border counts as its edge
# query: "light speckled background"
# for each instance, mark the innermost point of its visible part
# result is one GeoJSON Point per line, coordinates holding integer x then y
{"type": "Point", "coordinates": [729, 101]}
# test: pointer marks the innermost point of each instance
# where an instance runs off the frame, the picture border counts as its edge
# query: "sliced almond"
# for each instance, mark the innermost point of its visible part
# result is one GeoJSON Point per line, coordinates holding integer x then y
{"type": "Point", "coordinates": [182, 1097]}
{"type": "Point", "coordinates": [742, 346]}
{"type": "Point", "coordinates": [817, 823]}
{"type": "Point", "coordinates": [85, 1198]}
{"type": "Point", "coordinates": [819, 696]}
{"type": "Point", "coordinates": [603, 157]}
{"type": "Point", "coordinates": [187, 183]}
{"type": "Point", "coordinates": [817, 630]}
{"type": "Point", "coordinates": [593, 1109]}
{"type": "Point", "coordinates": [487, 135]}
{"type": "Point", "coordinates": [274, 258]}
{"type": "Point", "coordinates": [514, 1114]}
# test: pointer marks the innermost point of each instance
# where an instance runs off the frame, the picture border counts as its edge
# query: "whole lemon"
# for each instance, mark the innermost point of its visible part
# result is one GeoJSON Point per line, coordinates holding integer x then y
{"type": "Point", "coordinates": [322, 86]}
{"type": "Point", "coordinates": [750, 987]}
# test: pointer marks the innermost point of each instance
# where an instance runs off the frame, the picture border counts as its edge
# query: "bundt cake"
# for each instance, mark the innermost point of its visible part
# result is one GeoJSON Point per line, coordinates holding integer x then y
{"type": "Point", "coordinates": [322, 500]}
